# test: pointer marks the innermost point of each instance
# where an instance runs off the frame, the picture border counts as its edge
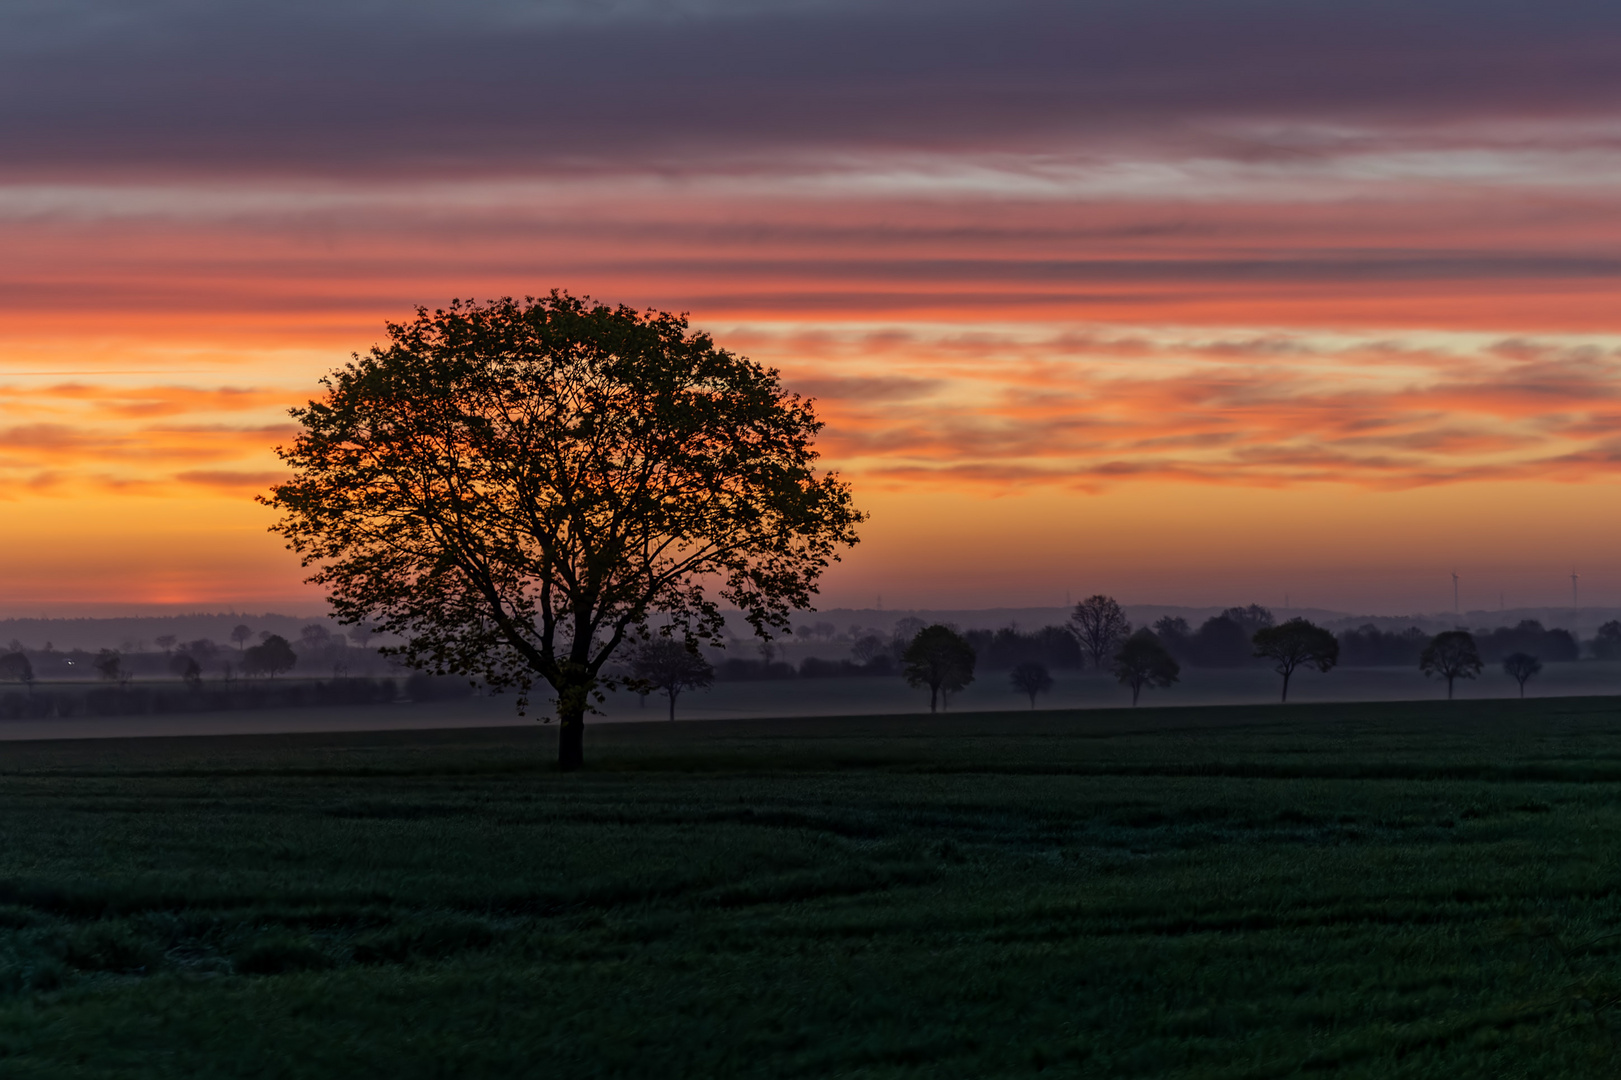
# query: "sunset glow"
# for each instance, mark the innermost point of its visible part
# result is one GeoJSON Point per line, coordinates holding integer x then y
{"type": "Point", "coordinates": [1197, 341]}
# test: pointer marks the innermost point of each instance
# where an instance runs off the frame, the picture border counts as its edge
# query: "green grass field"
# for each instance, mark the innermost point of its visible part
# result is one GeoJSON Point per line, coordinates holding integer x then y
{"type": "Point", "coordinates": [1350, 890]}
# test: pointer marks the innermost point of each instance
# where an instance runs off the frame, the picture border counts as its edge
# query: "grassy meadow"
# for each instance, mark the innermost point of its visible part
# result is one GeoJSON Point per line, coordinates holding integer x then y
{"type": "Point", "coordinates": [1399, 890]}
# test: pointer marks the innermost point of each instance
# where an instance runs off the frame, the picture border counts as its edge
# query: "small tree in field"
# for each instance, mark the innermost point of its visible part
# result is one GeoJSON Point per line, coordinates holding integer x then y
{"type": "Point", "coordinates": [514, 489]}
{"type": "Point", "coordinates": [1100, 625]}
{"type": "Point", "coordinates": [1143, 661]}
{"type": "Point", "coordinates": [1032, 678]}
{"type": "Point", "coordinates": [1295, 644]}
{"type": "Point", "coordinates": [186, 666]}
{"type": "Point", "coordinates": [273, 656]}
{"type": "Point", "coordinates": [1520, 667]}
{"type": "Point", "coordinates": [671, 666]}
{"type": "Point", "coordinates": [241, 635]}
{"type": "Point", "coordinates": [1451, 655]}
{"type": "Point", "coordinates": [941, 659]}
{"type": "Point", "coordinates": [109, 666]}
{"type": "Point", "coordinates": [14, 667]}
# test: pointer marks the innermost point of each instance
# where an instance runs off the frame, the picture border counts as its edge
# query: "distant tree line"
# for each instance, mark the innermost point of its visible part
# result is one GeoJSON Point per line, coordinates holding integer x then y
{"type": "Point", "coordinates": [104, 699]}
{"type": "Point", "coordinates": [938, 658]}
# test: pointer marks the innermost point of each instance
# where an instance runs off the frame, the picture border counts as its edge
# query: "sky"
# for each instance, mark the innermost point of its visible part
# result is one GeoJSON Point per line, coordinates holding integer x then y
{"type": "Point", "coordinates": [1297, 302]}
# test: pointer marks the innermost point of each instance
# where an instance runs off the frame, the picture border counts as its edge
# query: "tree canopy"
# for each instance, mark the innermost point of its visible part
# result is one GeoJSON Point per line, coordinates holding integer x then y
{"type": "Point", "coordinates": [272, 656]}
{"type": "Point", "coordinates": [1295, 644]}
{"type": "Point", "coordinates": [1143, 660]}
{"type": "Point", "coordinates": [1031, 678]}
{"type": "Point", "coordinates": [941, 659]}
{"type": "Point", "coordinates": [1520, 667]}
{"type": "Point", "coordinates": [1099, 624]}
{"type": "Point", "coordinates": [1451, 655]}
{"type": "Point", "coordinates": [513, 488]}
{"type": "Point", "coordinates": [14, 667]}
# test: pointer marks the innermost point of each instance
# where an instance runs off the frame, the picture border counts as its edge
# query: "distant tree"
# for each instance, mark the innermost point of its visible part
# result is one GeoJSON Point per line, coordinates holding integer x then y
{"type": "Point", "coordinates": [1369, 646]}
{"type": "Point", "coordinates": [15, 645]}
{"type": "Point", "coordinates": [315, 636]}
{"type": "Point", "coordinates": [868, 648]}
{"type": "Point", "coordinates": [14, 667]}
{"type": "Point", "coordinates": [1100, 625]}
{"type": "Point", "coordinates": [109, 665]}
{"type": "Point", "coordinates": [1253, 618]}
{"type": "Point", "coordinates": [940, 659]}
{"type": "Point", "coordinates": [1175, 634]}
{"type": "Point", "coordinates": [1143, 661]}
{"type": "Point", "coordinates": [1221, 642]}
{"type": "Point", "coordinates": [1607, 643]}
{"type": "Point", "coordinates": [905, 632]}
{"type": "Point", "coordinates": [190, 672]}
{"type": "Point", "coordinates": [271, 657]}
{"type": "Point", "coordinates": [360, 635]}
{"type": "Point", "coordinates": [202, 650]}
{"type": "Point", "coordinates": [1528, 636]}
{"type": "Point", "coordinates": [1520, 667]}
{"type": "Point", "coordinates": [1032, 678]}
{"type": "Point", "coordinates": [1295, 644]}
{"type": "Point", "coordinates": [241, 635]}
{"type": "Point", "coordinates": [669, 665]}
{"type": "Point", "coordinates": [166, 642]}
{"type": "Point", "coordinates": [1451, 655]}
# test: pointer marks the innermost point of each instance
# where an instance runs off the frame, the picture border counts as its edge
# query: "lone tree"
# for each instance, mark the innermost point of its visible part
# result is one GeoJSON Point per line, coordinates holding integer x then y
{"type": "Point", "coordinates": [941, 659]}
{"type": "Point", "coordinates": [671, 666]}
{"type": "Point", "coordinates": [1451, 655]}
{"type": "Point", "coordinates": [1520, 667]}
{"type": "Point", "coordinates": [1143, 660]}
{"type": "Point", "coordinates": [109, 666]}
{"type": "Point", "coordinates": [1032, 678]}
{"type": "Point", "coordinates": [1100, 625]}
{"type": "Point", "coordinates": [185, 665]}
{"type": "Point", "coordinates": [14, 667]}
{"type": "Point", "coordinates": [241, 635]}
{"type": "Point", "coordinates": [514, 488]}
{"type": "Point", "coordinates": [1295, 644]}
{"type": "Point", "coordinates": [272, 656]}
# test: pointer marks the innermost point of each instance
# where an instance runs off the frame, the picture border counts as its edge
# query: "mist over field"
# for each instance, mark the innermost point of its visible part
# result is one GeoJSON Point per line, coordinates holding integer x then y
{"type": "Point", "coordinates": [837, 662]}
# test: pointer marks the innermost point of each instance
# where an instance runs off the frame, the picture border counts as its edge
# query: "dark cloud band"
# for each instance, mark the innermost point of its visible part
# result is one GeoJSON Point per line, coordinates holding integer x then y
{"type": "Point", "coordinates": [359, 86]}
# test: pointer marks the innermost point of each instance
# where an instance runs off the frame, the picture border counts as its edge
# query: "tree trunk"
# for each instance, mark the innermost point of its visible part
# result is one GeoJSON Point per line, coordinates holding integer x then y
{"type": "Point", "coordinates": [934, 698]}
{"type": "Point", "coordinates": [672, 704]}
{"type": "Point", "coordinates": [571, 705]}
{"type": "Point", "coordinates": [1136, 688]}
{"type": "Point", "coordinates": [1286, 686]}
{"type": "Point", "coordinates": [1449, 687]}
